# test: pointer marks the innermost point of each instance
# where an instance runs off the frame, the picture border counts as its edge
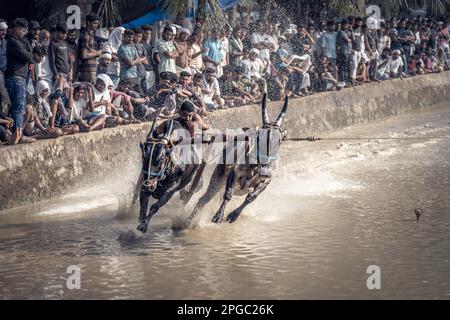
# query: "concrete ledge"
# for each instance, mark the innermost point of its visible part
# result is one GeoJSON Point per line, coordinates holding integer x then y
{"type": "Point", "coordinates": [39, 171]}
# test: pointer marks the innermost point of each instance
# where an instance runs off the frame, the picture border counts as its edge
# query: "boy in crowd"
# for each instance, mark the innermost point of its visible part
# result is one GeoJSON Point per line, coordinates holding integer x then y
{"type": "Point", "coordinates": [58, 54]}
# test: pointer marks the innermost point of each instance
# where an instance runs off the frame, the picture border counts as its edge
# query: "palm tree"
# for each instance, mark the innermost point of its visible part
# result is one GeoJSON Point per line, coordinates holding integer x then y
{"type": "Point", "coordinates": [208, 10]}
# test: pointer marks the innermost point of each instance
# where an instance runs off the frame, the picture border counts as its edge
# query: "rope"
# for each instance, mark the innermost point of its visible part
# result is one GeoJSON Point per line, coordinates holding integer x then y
{"type": "Point", "coordinates": [365, 138]}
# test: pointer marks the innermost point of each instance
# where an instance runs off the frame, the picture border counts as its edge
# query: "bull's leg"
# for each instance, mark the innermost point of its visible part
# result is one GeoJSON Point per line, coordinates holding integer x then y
{"type": "Point", "coordinates": [233, 216]}
{"type": "Point", "coordinates": [226, 198]}
{"type": "Point", "coordinates": [143, 199]}
{"type": "Point", "coordinates": [167, 195]}
{"type": "Point", "coordinates": [216, 183]}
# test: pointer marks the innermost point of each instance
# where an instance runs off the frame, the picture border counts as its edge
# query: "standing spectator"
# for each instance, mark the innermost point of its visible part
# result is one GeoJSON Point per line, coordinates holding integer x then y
{"type": "Point", "coordinates": [129, 60]}
{"type": "Point", "coordinates": [147, 43]}
{"type": "Point", "coordinates": [195, 51]}
{"type": "Point", "coordinates": [4, 96]}
{"type": "Point", "coordinates": [58, 54]}
{"type": "Point", "coordinates": [86, 48]}
{"type": "Point", "coordinates": [43, 70]}
{"type": "Point", "coordinates": [384, 41]}
{"type": "Point", "coordinates": [443, 37]}
{"type": "Point", "coordinates": [357, 52]}
{"type": "Point", "coordinates": [167, 51]}
{"type": "Point", "coordinates": [72, 46]}
{"type": "Point", "coordinates": [261, 41]}
{"type": "Point", "coordinates": [33, 33]}
{"type": "Point", "coordinates": [328, 41]}
{"type": "Point", "coordinates": [213, 53]}
{"type": "Point", "coordinates": [142, 53]}
{"type": "Point", "coordinates": [19, 56]}
{"type": "Point", "coordinates": [344, 51]}
{"type": "Point", "coordinates": [182, 60]}
{"type": "Point", "coordinates": [115, 40]}
{"type": "Point", "coordinates": [236, 48]}
{"type": "Point", "coordinates": [371, 46]}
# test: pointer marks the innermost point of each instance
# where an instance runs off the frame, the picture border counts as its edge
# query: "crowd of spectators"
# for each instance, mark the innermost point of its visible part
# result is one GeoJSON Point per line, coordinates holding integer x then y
{"type": "Point", "coordinates": [57, 82]}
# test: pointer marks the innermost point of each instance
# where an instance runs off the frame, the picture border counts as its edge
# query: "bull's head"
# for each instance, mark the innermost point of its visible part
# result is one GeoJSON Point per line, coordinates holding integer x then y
{"type": "Point", "coordinates": [155, 157]}
{"type": "Point", "coordinates": [269, 138]}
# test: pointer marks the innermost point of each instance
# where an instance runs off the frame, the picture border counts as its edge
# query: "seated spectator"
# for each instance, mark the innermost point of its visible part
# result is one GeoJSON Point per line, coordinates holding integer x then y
{"type": "Point", "coordinates": [104, 61]}
{"type": "Point", "coordinates": [6, 135]}
{"type": "Point", "coordinates": [441, 60]}
{"type": "Point", "coordinates": [102, 102]}
{"type": "Point", "coordinates": [395, 64]}
{"type": "Point", "coordinates": [58, 105]}
{"type": "Point", "coordinates": [299, 79]}
{"type": "Point", "coordinates": [429, 60]}
{"type": "Point", "coordinates": [80, 107]}
{"type": "Point", "coordinates": [138, 105]}
{"type": "Point", "coordinates": [383, 72]}
{"type": "Point", "coordinates": [166, 93]}
{"type": "Point", "coordinates": [38, 114]}
{"type": "Point", "coordinates": [226, 88]}
{"type": "Point", "coordinates": [212, 96]}
{"type": "Point", "coordinates": [242, 88]}
{"type": "Point", "coordinates": [278, 85]}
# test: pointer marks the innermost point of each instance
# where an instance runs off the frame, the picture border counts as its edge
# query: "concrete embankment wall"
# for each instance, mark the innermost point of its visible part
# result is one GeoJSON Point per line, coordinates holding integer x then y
{"type": "Point", "coordinates": [39, 171]}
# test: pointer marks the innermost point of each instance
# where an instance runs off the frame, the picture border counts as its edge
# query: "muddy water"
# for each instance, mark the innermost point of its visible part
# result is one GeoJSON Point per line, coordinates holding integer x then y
{"type": "Point", "coordinates": [334, 208]}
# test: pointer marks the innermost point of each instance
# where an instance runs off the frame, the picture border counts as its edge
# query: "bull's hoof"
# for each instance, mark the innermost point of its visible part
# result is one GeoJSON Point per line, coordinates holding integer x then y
{"type": "Point", "coordinates": [142, 227]}
{"type": "Point", "coordinates": [217, 219]}
{"type": "Point", "coordinates": [233, 216]}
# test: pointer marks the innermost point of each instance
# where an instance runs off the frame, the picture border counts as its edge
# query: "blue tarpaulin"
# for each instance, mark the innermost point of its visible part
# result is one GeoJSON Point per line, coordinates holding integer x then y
{"type": "Point", "coordinates": [157, 15]}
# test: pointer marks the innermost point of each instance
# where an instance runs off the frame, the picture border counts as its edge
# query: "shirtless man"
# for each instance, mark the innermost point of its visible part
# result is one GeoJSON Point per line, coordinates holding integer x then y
{"type": "Point", "coordinates": [187, 120]}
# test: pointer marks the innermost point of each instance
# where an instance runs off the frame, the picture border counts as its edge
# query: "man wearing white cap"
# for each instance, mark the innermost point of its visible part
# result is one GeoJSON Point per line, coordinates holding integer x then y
{"type": "Point", "coordinates": [253, 66]}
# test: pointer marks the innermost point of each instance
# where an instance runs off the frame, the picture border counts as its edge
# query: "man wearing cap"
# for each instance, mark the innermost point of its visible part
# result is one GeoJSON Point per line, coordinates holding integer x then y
{"type": "Point", "coordinates": [167, 51]}
{"type": "Point", "coordinates": [33, 33]}
{"type": "Point", "coordinates": [253, 66]}
{"type": "Point", "coordinates": [4, 96]}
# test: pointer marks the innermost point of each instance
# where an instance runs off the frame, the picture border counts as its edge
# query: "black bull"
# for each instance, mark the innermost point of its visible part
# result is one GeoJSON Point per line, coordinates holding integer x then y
{"type": "Point", "coordinates": [161, 178]}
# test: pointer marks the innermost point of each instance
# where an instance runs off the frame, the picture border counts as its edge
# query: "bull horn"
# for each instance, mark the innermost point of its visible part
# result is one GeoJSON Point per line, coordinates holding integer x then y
{"type": "Point", "coordinates": [282, 112]}
{"type": "Point", "coordinates": [265, 116]}
{"type": "Point", "coordinates": [168, 130]}
{"type": "Point", "coordinates": [154, 124]}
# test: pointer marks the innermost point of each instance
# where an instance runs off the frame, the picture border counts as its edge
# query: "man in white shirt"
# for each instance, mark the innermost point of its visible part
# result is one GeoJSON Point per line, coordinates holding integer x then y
{"type": "Point", "coordinates": [253, 66]}
{"type": "Point", "coordinates": [212, 98]}
{"type": "Point", "coordinates": [167, 51]}
{"type": "Point", "coordinates": [382, 73]}
{"type": "Point", "coordinates": [396, 64]}
{"type": "Point", "coordinates": [262, 41]}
